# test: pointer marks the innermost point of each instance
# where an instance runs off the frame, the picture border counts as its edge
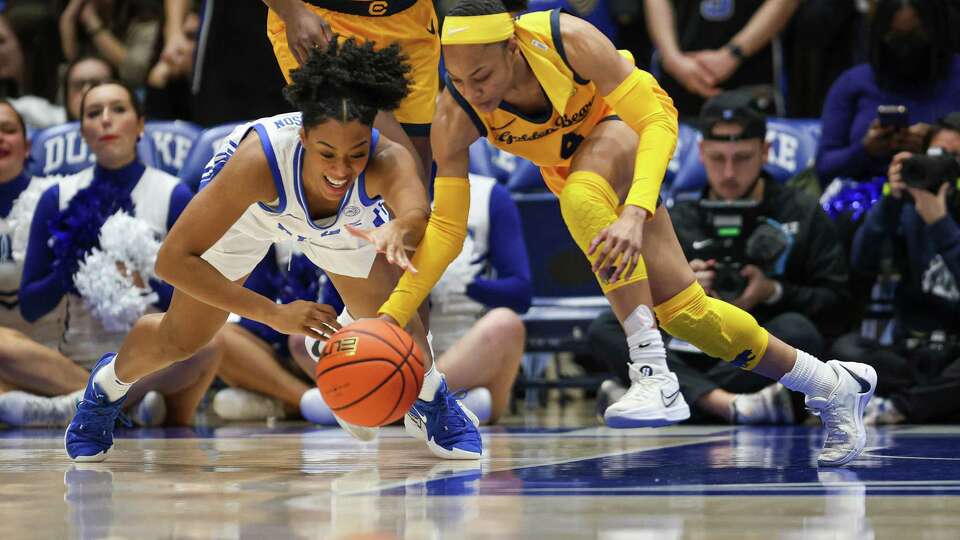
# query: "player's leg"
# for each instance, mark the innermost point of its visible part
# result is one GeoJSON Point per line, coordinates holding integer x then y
{"type": "Point", "coordinates": [838, 391]}
{"type": "Point", "coordinates": [487, 357]}
{"type": "Point", "coordinates": [590, 201]}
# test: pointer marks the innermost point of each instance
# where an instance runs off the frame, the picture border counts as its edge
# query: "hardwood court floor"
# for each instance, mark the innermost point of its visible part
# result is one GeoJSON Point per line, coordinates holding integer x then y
{"type": "Point", "coordinates": [544, 477]}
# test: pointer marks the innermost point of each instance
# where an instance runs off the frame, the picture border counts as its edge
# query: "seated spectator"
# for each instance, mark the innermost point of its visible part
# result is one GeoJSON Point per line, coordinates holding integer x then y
{"type": "Point", "coordinates": [910, 64]}
{"type": "Point", "coordinates": [36, 112]}
{"type": "Point", "coordinates": [122, 32]}
{"type": "Point", "coordinates": [168, 84]}
{"type": "Point", "coordinates": [477, 335]}
{"type": "Point", "coordinates": [82, 74]}
{"type": "Point", "coordinates": [95, 284]}
{"type": "Point", "coordinates": [774, 254]}
{"type": "Point", "coordinates": [914, 231]}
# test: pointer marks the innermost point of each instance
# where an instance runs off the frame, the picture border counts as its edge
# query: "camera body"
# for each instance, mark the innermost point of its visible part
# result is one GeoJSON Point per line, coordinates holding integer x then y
{"type": "Point", "coordinates": [930, 172]}
{"type": "Point", "coordinates": [739, 236]}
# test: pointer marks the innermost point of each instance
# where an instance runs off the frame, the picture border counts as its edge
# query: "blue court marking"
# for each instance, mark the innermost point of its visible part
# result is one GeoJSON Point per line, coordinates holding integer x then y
{"type": "Point", "coordinates": [750, 462]}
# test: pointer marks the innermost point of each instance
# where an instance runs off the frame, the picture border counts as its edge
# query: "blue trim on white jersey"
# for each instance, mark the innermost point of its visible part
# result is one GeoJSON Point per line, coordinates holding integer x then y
{"type": "Point", "coordinates": [274, 169]}
{"type": "Point", "coordinates": [362, 180]}
{"type": "Point", "coordinates": [302, 198]}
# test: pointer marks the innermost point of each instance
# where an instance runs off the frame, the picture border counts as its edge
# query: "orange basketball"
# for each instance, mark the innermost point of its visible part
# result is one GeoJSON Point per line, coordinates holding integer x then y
{"type": "Point", "coordinates": [370, 372]}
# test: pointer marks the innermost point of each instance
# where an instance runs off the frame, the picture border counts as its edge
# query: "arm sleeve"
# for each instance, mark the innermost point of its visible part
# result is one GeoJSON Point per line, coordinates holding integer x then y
{"type": "Point", "coordinates": [878, 229]}
{"type": "Point", "coordinates": [508, 255]}
{"type": "Point", "coordinates": [837, 155]}
{"type": "Point", "coordinates": [41, 287]}
{"type": "Point", "coordinates": [441, 243]}
{"type": "Point", "coordinates": [648, 110]}
{"type": "Point", "coordinates": [946, 240]}
{"type": "Point", "coordinates": [825, 286]}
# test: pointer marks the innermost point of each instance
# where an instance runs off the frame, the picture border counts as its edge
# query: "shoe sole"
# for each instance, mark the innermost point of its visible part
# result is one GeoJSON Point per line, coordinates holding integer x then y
{"type": "Point", "coordinates": [626, 420]}
{"type": "Point", "coordinates": [861, 430]}
{"type": "Point", "coordinates": [455, 453]}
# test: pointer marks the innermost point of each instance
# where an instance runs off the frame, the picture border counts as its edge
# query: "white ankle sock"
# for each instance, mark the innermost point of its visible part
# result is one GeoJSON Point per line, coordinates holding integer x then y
{"type": "Point", "coordinates": [431, 381]}
{"type": "Point", "coordinates": [810, 376]}
{"type": "Point", "coordinates": [108, 382]}
{"type": "Point", "coordinates": [644, 341]}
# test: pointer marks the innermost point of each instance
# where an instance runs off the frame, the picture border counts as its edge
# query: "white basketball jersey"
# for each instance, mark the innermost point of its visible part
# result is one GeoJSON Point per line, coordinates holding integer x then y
{"type": "Point", "coordinates": [84, 338]}
{"type": "Point", "coordinates": [326, 242]}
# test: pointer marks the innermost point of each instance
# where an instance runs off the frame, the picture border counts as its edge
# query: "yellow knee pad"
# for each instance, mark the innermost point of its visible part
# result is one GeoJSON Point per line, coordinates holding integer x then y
{"type": "Point", "coordinates": [715, 327]}
{"type": "Point", "coordinates": [589, 204]}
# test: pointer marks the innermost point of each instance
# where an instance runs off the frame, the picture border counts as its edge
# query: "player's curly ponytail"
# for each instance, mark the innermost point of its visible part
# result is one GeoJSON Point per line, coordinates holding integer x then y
{"type": "Point", "coordinates": [347, 81]}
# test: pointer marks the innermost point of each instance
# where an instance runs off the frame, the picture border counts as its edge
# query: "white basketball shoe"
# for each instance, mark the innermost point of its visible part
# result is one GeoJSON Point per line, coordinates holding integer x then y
{"type": "Point", "coordinates": [315, 410]}
{"type": "Point", "coordinates": [842, 412]}
{"type": "Point", "coordinates": [653, 400]}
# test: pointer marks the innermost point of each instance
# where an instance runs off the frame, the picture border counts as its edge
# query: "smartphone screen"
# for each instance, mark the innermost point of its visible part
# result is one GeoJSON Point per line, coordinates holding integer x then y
{"type": "Point", "coordinates": [893, 116]}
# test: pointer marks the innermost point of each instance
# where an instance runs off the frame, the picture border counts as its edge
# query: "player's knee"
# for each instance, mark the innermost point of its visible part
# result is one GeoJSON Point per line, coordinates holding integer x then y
{"type": "Point", "coordinates": [507, 325]}
{"type": "Point", "coordinates": [588, 205]}
{"type": "Point", "coordinates": [715, 327]}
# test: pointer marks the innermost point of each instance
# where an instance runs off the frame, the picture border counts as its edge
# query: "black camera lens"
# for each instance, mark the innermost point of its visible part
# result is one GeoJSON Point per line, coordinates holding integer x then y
{"type": "Point", "coordinates": [930, 172]}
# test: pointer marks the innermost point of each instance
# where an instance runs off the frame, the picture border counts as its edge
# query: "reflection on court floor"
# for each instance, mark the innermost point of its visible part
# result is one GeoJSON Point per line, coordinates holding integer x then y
{"type": "Point", "coordinates": [291, 480]}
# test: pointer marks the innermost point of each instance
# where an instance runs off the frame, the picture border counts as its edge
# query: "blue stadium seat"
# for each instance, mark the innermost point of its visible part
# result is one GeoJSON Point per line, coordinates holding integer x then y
{"type": "Point", "coordinates": [172, 141]}
{"type": "Point", "coordinates": [61, 150]}
{"type": "Point", "coordinates": [793, 147]}
{"type": "Point", "coordinates": [517, 174]}
{"type": "Point", "coordinates": [203, 149]}
{"type": "Point", "coordinates": [688, 139]}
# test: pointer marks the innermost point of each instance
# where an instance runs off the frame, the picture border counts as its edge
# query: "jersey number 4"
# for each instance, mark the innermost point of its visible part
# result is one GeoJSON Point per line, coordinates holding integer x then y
{"type": "Point", "coordinates": [569, 144]}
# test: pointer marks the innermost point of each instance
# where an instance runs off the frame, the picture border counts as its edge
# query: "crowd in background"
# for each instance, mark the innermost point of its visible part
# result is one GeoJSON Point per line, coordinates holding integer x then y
{"type": "Point", "coordinates": [835, 60]}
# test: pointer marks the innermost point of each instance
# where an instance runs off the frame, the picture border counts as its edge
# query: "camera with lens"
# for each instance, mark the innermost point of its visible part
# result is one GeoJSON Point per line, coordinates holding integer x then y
{"type": "Point", "coordinates": [739, 236]}
{"type": "Point", "coordinates": [930, 172]}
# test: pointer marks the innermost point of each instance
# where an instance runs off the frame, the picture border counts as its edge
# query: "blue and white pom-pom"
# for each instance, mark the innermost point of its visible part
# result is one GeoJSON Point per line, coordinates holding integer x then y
{"type": "Point", "coordinates": [111, 296]}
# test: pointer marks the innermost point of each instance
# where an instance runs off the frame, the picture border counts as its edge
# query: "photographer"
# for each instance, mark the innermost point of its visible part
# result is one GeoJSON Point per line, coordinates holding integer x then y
{"type": "Point", "coordinates": [769, 249]}
{"type": "Point", "coordinates": [912, 232]}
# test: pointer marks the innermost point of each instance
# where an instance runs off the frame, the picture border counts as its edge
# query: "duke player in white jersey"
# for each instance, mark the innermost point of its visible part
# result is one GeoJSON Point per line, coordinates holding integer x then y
{"type": "Point", "coordinates": [316, 178]}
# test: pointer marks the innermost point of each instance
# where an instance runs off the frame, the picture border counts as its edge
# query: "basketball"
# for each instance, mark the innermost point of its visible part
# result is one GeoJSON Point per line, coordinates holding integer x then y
{"type": "Point", "coordinates": [370, 372]}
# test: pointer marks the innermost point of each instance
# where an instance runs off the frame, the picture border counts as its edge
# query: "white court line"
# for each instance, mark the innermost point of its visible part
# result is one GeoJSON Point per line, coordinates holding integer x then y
{"type": "Point", "coordinates": [871, 454]}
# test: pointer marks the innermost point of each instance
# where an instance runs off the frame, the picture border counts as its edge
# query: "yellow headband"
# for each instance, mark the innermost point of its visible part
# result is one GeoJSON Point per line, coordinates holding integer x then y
{"type": "Point", "coordinates": [477, 29]}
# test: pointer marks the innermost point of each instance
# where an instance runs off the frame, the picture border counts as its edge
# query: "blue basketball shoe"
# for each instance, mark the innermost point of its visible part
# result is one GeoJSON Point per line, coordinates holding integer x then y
{"type": "Point", "coordinates": [90, 434]}
{"type": "Point", "coordinates": [449, 428]}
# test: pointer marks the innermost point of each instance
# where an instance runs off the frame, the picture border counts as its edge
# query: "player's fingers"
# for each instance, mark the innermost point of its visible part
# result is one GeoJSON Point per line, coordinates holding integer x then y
{"type": "Point", "coordinates": [310, 332]}
{"type": "Point", "coordinates": [360, 233]}
{"type": "Point", "coordinates": [634, 263]}
{"type": "Point", "coordinates": [597, 240]}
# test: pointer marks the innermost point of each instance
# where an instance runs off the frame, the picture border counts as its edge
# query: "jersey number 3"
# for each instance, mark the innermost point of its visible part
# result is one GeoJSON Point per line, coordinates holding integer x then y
{"type": "Point", "coordinates": [569, 144]}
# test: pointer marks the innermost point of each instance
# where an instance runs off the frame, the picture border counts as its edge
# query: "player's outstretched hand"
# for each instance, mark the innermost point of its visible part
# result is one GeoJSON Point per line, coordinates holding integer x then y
{"type": "Point", "coordinates": [389, 240]}
{"type": "Point", "coordinates": [318, 321]}
{"type": "Point", "coordinates": [621, 239]}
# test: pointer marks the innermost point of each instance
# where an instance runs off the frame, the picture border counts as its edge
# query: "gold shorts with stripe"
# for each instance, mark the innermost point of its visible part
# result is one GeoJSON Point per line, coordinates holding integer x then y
{"type": "Point", "coordinates": [415, 28]}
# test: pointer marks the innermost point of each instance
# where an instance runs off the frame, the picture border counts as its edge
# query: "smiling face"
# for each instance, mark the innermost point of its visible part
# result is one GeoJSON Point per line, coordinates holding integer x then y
{"type": "Point", "coordinates": [336, 153]}
{"type": "Point", "coordinates": [13, 144]}
{"type": "Point", "coordinates": [481, 73]}
{"type": "Point", "coordinates": [110, 125]}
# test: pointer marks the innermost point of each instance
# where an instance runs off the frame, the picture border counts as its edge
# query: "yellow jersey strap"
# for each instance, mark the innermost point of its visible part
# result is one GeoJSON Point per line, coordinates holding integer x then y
{"type": "Point", "coordinates": [538, 36]}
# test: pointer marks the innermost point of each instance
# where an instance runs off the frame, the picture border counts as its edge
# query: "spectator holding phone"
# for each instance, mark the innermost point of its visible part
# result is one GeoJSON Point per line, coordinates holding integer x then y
{"type": "Point", "coordinates": [884, 106]}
